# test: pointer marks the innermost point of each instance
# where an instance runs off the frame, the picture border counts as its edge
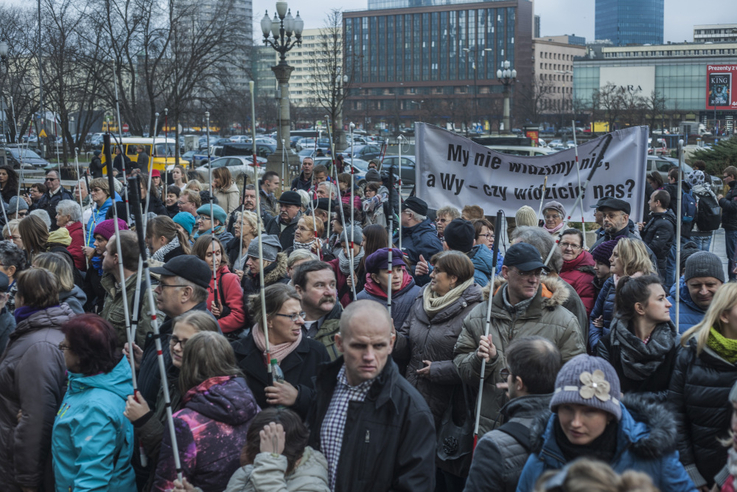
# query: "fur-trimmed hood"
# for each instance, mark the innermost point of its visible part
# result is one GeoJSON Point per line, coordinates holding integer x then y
{"type": "Point", "coordinates": [552, 289]}
{"type": "Point", "coordinates": [278, 272]}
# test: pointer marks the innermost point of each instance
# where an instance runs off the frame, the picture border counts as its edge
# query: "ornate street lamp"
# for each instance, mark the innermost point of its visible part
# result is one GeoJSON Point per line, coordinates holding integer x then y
{"type": "Point", "coordinates": [507, 77]}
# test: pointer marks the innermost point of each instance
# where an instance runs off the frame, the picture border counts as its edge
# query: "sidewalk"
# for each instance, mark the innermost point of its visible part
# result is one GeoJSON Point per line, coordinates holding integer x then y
{"type": "Point", "coordinates": [719, 249]}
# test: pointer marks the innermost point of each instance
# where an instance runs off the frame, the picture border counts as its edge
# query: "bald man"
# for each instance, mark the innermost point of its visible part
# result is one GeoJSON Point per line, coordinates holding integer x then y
{"type": "Point", "coordinates": [366, 416]}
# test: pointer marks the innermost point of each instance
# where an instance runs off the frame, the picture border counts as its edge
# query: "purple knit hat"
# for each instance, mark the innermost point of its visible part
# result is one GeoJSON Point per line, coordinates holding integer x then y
{"type": "Point", "coordinates": [603, 252]}
{"type": "Point", "coordinates": [106, 228]}
{"type": "Point", "coordinates": [589, 381]}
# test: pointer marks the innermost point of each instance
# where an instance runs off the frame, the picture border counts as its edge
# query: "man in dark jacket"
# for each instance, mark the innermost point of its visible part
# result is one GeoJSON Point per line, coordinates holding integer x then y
{"type": "Point", "coordinates": [284, 224]}
{"type": "Point", "coordinates": [374, 428]}
{"type": "Point", "coordinates": [55, 193]}
{"type": "Point", "coordinates": [532, 366]}
{"type": "Point", "coordinates": [96, 165]}
{"type": "Point", "coordinates": [419, 237]}
{"type": "Point", "coordinates": [304, 180]}
{"type": "Point", "coordinates": [659, 232]}
{"type": "Point", "coordinates": [316, 284]}
{"type": "Point", "coordinates": [728, 203]}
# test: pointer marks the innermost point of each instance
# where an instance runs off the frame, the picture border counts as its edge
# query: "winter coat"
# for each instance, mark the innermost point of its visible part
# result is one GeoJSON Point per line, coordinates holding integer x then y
{"type": "Point", "coordinates": [327, 327]}
{"type": "Point", "coordinates": [32, 379]}
{"type": "Point", "coordinates": [300, 183]}
{"type": "Point", "coordinates": [659, 234]}
{"type": "Point", "coordinates": [155, 205]}
{"type": "Point", "coordinates": [269, 205]}
{"type": "Point", "coordinates": [49, 202]}
{"type": "Point", "coordinates": [267, 474]}
{"type": "Point", "coordinates": [389, 438]}
{"type": "Point", "coordinates": [729, 208]}
{"type": "Point", "coordinates": [285, 235]}
{"type": "Point", "coordinates": [483, 264]}
{"type": "Point", "coordinates": [75, 299]}
{"type": "Point", "coordinates": [98, 215]}
{"type": "Point", "coordinates": [172, 210]}
{"type": "Point", "coordinates": [689, 313]}
{"type": "Point", "coordinates": [344, 291]}
{"type": "Point", "coordinates": [579, 274]}
{"type": "Point", "coordinates": [499, 458]}
{"type": "Point", "coordinates": [576, 307]}
{"type": "Point", "coordinates": [229, 288]}
{"type": "Point", "coordinates": [346, 198]}
{"type": "Point", "coordinates": [646, 442]}
{"type": "Point", "coordinates": [299, 368]}
{"type": "Point", "coordinates": [604, 307]}
{"type": "Point", "coordinates": [422, 338]}
{"type": "Point", "coordinates": [610, 349]}
{"type": "Point", "coordinates": [114, 310]}
{"type": "Point", "coordinates": [92, 443]}
{"type": "Point", "coordinates": [699, 398]}
{"type": "Point", "coordinates": [211, 432]}
{"type": "Point", "coordinates": [75, 248]}
{"type": "Point", "coordinates": [630, 232]}
{"type": "Point", "coordinates": [7, 326]}
{"type": "Point", "coordinates": [402, 300]}
{"type": "Point", "coordinates": [545, 316]}
{"type": "Point", "coordinates": [251, 284]}
{"type": "Point", "coordinates": [228, 198]}
{"type": "Point", "coordinates": [419, 240]}
{"type": "Point", "coordinates": [96, 167]}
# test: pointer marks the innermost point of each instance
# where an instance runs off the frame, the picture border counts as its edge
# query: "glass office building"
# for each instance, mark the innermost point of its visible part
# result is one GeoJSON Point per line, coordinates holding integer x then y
{"type": "Point", "coordinates": [630, 22]}
{"type": "Point", "coordinates": [403, 4]}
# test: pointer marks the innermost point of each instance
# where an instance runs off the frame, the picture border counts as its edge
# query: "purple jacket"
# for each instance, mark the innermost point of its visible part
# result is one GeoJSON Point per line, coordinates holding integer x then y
{"type": "Point", "coordinates": [211, 432]}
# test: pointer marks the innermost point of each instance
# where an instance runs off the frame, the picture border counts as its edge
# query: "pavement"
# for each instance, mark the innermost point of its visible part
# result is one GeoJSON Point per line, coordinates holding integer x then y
{"type": "Point", "coordinates": [719, 249]}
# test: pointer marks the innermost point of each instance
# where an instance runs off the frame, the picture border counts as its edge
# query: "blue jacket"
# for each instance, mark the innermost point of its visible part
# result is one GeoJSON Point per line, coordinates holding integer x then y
{"type": "Point", "coordinates": [402, 300]}
{"type": "Point", "coordinates": [483, 264]}
{"type": "Point", "coordinates": [604, 307]}
{"type": "Point", "coordinates": [689, 314]}
{"type": "Point", "coordinates": [92, 441]}
{"type": "Point", "coordinates": [98, 215]}
{"type": "Point", "coordinates": [421, 239]}
{"type": "Point", "coordinates": [646, 442]}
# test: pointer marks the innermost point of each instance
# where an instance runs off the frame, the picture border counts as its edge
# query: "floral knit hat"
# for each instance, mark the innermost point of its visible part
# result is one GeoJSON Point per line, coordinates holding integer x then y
{"type": "Point", "coordinates": [589, 381]}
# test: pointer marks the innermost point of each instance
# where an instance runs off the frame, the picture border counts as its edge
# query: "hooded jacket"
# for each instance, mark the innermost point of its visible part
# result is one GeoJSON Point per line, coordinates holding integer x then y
{"type": "Point", "coordinates": [268, 473]}
{"type": "Point", "coordinates": [97, 216]}
{"type": "Point", "coordinates": [402, 300]}
{"type": "Point", "coordinates": [228, 198]}
{"type": "Point", "coordinates": [93, 442]}
{"type": "Point", "coordinates": [75, 299]}
{"type": "Point", "coordinates": [75, 248]}
{"type": "Point", "coordinates": [211, 432]}
{"type": "Point", "coordinates": [32, 378]}
{"type": "Point", "coordinates": [389, 438]}
{"type": "Point", "coordinates": [499, 458]}
{"type": "Point", "coordinates": [579, 274]}
{"type": "Point", "coordinates": [286, 235]}
{"type": "Point", "coordinates": [229, 288]}
{"type": "Point", "coordinates": [659, 234]}
{"type": "Point", "coordinates": [483, 263]}
{"type": "Point", "coordinates": [420, 240]}
{"type": "Point", "coordinates": [699, 398]}
{"type": "Point", "coordinates": [689, 313]}
{"type": "Point", "coordinates": [545, 316]}
{"type": "Point", "coordinates": [422, 338]}
{"type": "Point", "coordinates": [646, 442]}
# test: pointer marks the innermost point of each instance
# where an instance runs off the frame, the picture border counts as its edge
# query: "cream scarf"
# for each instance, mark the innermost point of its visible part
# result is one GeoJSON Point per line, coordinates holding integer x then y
{"type": "Point", "coordinates": [433, 304]}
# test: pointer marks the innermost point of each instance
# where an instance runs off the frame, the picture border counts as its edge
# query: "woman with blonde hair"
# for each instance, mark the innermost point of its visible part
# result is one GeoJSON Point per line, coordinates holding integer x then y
{"type": "Point", "coordinates": [165, 240]}
{"type": "Point", "coordinates": [247, 225]}
{"type": "Point", "coordinates": [194, 185]}
{"type": "Point", "coordinates": [34, 235]}
{"type": "Point", "coordinates": [587, 475]}
{"type": "Point", "coordinates": [10, 233]}
{"type": "Point", "coordinates": [705, 371]}
{"type": "Point", "coordinates": [63, 269]}
{"type": "Point", "coordinates": [179, 176]}
{"type": "Point", "coordinates": [225, 189]}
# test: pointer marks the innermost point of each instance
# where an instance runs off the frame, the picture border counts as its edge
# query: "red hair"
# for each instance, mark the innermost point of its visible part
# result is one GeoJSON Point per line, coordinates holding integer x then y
{"type": "Point", "coordinates": [94, 341]}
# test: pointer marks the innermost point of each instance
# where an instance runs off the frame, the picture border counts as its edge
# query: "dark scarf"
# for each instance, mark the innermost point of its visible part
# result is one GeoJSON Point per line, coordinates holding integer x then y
{"type": "Point", "coordinates": [640, 359]}
{"type": "Point", "coordinates": [602, 448]}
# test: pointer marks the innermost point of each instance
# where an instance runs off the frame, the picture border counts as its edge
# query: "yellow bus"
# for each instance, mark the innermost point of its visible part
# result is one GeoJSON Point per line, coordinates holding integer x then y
{"type": "Point", "coordinates": [162, 157]}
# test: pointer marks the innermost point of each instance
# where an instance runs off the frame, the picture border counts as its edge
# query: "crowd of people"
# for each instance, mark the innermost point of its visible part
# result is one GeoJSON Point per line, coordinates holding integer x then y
{"type": "Point", "coordinates": [340, 337]}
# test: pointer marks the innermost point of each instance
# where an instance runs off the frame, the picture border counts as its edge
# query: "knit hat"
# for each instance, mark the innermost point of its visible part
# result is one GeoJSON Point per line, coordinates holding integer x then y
{"type": "Point", "coordinates": [186, 220]}
{"type": "Point", "coordinates": [97, 152]}
{"type": "Point", "coordinates": [695, 178]}
{"type": "Point", "coordinates": [459, 235]}
{"type": "Point", "coordinates": [373, 176]}
{"type": "Point", "coordinates": [525, 216]}
{"type": "Point", "coordinates": [270, 246]}
{"type": "Point", "coordinates": [589, 381]}
{"type": "Point", "coordinates": [704, 264]}
{"type": "Point", "coordinates": [354, 233]}
{"type": "Point", "coordinates": [557, 206]}
{"type": "Point", "coordinates": [60, 236]}
{"type": "Point", "coordinates": [217, 211]}
{"type": "Point", "coordinates": [106, 228]}
{"type": "Point", "coordinates": [379, 260]}
{"type": "Point", "coordinates": [290, 198]}
{"type": "Point", "coordinates": [603, 252]}
{"type": "Point", "coordinates": [21, 204]}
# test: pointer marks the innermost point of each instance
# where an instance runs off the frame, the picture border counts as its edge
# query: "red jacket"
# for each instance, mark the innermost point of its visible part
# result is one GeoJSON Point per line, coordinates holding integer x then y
{"type": "Point", "coordinates": [75, 249]}
{"type": "Point", "coordinates": [233, 295]}
{"type": "Point", "coordinates": [357, 204]}
{"type": "Point", "coordinates": [341, 283]}
{"type": "Point", "coordinates": [579, 274]}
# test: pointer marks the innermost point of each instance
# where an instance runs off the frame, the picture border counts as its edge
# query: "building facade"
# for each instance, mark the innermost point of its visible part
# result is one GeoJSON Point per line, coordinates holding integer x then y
{"type": "Point", "coordinates": [630, 22]}
{"type": "Point", "coordinates": [553, 72]}
{"type": "Point", "coordinates": [715, 33]}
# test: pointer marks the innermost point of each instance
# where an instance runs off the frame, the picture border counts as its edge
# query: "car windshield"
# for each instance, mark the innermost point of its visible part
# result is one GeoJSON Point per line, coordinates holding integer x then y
{"type": "Point", "coordinates": [361, 165]}
{"type": "Point", "coordinates": [161, 146]}
{"type": "Point", "coordinates": [26, 153]}
{"type": "Point", "coordinates": [219, 162]}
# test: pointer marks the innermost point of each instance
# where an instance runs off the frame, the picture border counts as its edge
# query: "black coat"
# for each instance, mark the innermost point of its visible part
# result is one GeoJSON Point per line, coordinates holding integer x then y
{"type": "Point", "coordinates": [659, 234]}
{"type": "Point", "coordinates": [299, 368]}
{"type": "Point", "coordinates": [389, 438]}
{"type": "Point", "coordinates": [96, 167]}
{"type": "Point", "coordinates": [729, 208]}
{"type": "Point", "coordinates": [286, 236]}
{"type": "Point", "coordinates": [156, 206]}
{"type": "Point", "coordinates": [699, 396]}
{"type": "Point", "coordinates": [48, 202]}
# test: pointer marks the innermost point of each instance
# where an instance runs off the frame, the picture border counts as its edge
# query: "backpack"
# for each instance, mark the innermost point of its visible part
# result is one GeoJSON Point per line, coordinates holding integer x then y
{"type": "Point", "coordinates": [688, 207]}
{"type": "Point", "coordinates": [708, 212]}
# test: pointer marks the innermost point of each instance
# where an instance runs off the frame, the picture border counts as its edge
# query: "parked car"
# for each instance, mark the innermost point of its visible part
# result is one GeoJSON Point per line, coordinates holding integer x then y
{"type": "Point", "coordinates": [15, 155]}
{"type": "Point", "coordinates": [662, 165]}
{"type": "Point", "coordinates": [236, 164]}
{"type": "Point", "coordinates": [408, 167]}
{"type": "Point", "coordinates": [365, 152]}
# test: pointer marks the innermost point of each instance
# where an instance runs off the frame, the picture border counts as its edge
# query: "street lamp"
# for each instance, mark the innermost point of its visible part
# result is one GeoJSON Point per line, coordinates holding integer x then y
{"type": "Point", "coordinates": [282, 33]}
{"type": "Point", "coordinates": [506, 77]}
{"type": "Point", "coordinates": [4, 61]}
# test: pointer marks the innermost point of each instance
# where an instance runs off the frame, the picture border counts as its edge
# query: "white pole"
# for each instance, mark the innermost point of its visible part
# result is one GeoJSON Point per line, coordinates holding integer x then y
{"type": "Point", "coordinates": [678, 234]}
{"type": "Point", "coordinates": [580, 191]}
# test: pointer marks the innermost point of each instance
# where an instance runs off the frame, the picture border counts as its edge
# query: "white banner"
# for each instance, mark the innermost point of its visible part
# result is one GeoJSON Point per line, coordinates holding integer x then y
{"type": "Point", "coordinates": [453, 170]}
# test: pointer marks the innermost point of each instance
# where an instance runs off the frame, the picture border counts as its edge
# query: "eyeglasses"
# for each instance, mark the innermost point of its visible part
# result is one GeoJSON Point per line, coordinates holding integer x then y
{"type": "Point", "coordinates": [504, 373]}
{"type": "Point", "coordinates": [551, 217]}
{"type": "Point", "coordinates": [532, 273]}
{"type": "Point", "coordinates": [569, 245]}
{"type": "Point", "coordinates": [293, 317]}
{"type": "Point", "coordinates": [174, 341]}
{"type": "Point", "coordinates": [51, 179]}
{"type": "Point", "coordinates": [203, 217]}
{"type": "Point", "coordinates": [487, 236]}
{"type": "Point", "coordinates": [63, 347]}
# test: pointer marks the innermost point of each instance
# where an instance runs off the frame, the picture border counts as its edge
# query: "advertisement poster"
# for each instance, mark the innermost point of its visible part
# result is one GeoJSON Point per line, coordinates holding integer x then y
{"type": "Point", "coordinates": [720, 87]}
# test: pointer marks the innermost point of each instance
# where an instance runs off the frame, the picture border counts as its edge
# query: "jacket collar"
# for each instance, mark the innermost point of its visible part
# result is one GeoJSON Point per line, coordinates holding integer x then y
{"type": "Point", "coordinates": [383, 389]}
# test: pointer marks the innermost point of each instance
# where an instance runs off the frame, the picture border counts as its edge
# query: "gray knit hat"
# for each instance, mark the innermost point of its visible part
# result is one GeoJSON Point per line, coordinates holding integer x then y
{"type": "Point", "coordinates": [353, 232]}
{"type": "Point", "coordinates": [525, 216]}
{"type": "Point", "coordinates": [589, 381]}
{"type": "Point", "coordinates": [557, 206]}
{"type": "Point", "coordinates": [271, 247]}
{"type": "Point", "coordinates": [14, 202]}
{"type": "Point", "coordinates": [704, 264]}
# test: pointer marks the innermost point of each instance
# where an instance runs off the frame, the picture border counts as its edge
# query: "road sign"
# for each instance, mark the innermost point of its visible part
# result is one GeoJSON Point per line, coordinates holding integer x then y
{"type": "Point", "coordinates": [42, 134]}
{"type": "Point", "coordinates": [125, 127]}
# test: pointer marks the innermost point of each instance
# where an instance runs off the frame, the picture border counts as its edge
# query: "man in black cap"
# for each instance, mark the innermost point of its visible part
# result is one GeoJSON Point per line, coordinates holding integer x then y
{"type": "Point", "coordinates": [284, 224]}
{"type": "Point", "coordinates": [419, 237]}
{"type": "Point", "coordinates": [520, 308]}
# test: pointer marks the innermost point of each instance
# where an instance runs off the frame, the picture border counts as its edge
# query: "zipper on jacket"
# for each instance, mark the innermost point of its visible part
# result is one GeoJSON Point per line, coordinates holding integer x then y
{"type": "Point", "coordinates": [368, 436]}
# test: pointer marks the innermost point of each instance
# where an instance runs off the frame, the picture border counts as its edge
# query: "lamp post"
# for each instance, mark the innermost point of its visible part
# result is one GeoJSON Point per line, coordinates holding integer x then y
{"type": "Point", "coordinates": [3, 109]}
{"type": "Point", "coordinates": [286, 33]}
{"type": "Point", "coordinates": [507, 77]}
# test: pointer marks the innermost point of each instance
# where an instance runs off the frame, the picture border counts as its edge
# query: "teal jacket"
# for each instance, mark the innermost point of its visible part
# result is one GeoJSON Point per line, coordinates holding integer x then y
{"type": "Point", "coordinates": [92, 441]}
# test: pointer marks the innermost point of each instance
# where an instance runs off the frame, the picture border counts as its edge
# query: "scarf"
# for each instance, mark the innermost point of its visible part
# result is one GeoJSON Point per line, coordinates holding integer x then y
{"type": "Point", "coordinates": [602, 448]}
{"type": "Point", "coordinates": [278, 352]}
{"type": "Point", "coordinates": [166, 249]}
{"type": "Point", "coordinates": [725, 347]}
{"type": "Point", "coordinates": [96, 262]}
{"type": "Point", "coordinates": [307, 246]}
{"type": "Point", "coordinates": [641, 359]}
{"type": "Point", "coordinates": [375, 289]}
{"type": "Point", "coordinates": [24, 312]}
{"type": "Point", "coordinates": [345, 268]}
{"type": "Point", "coordinates": [555, 229]}
{"type": "Point", "coordinates": [433, 304]}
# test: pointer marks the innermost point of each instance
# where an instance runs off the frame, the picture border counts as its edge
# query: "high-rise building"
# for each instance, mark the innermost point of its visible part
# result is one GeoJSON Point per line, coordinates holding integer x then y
{"type": "Point", "coordinates": [404, 4]}
{"type": "Point", "coordinates": [630, 22]}
{"type": "Point", "coordinates": [715, 33]}
{"type": "Point", "coordinates": [553, 72]}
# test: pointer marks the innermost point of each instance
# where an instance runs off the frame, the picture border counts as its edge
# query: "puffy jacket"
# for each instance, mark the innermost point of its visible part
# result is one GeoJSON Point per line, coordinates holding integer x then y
{"type": "Point", "coordinates": [97, 216]}
{"type": "Point", "coordinates": [93, 442]}
{"type": "Point", "coordinates": [422, 338]}
{"type": "Point", "coordinates": [545, 316]}
{"type": "Point", "coordinates": [211, 432]}
{"type": "Point", "coordinates": [579, 274]}
{"type": "Point", "coordinates": [389, 438]}
{"type": "Point", "coordinates": [32, 379]}
{"type": "Point", "coordinates": [659, 234]}
{"type": "Point", "coordinates": [402, 300]}
{"type": "Point", "coordinates": [646, 442]}
{"type": "Point", "coordinates": [699, 398]}
{"type": "Point", "coordinates": [499, 458]}
{"type": "Point", "coordinates": [113, 309]}
{"type": "Point", "coordinates": [299, 368]}
{"type": "Point", "coordinates": [421, 239]}
{"type": "Point", "coordinates": [268, 473]}
{"type": "Point", "coordinates": [604, 307]}
{"type": "Point", "coordinates": [75, 299]}
{"type": "Point", "coordinates": [483, 263]}
{"type": "Point", "coordinates": [228, 198]}
{"type": "Point", "coordinates": [346, 198]}
{"type": "Point", "coordinates": [75, 248]}
{"type": "Point", "coordinates": [229, 288]}
{"type": "Point", "coordinates": [689, 313]}
{"type": "Point", "coordinates": [729, 208]}
{"type": "Point", "coordinates": [286, 235]}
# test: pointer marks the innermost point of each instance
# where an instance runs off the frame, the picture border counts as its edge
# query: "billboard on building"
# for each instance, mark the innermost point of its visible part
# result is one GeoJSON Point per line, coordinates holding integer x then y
{"type": "Point", "coordinates": [638, 81]}
{"type": "Point", "coordinates": [720, 87]}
